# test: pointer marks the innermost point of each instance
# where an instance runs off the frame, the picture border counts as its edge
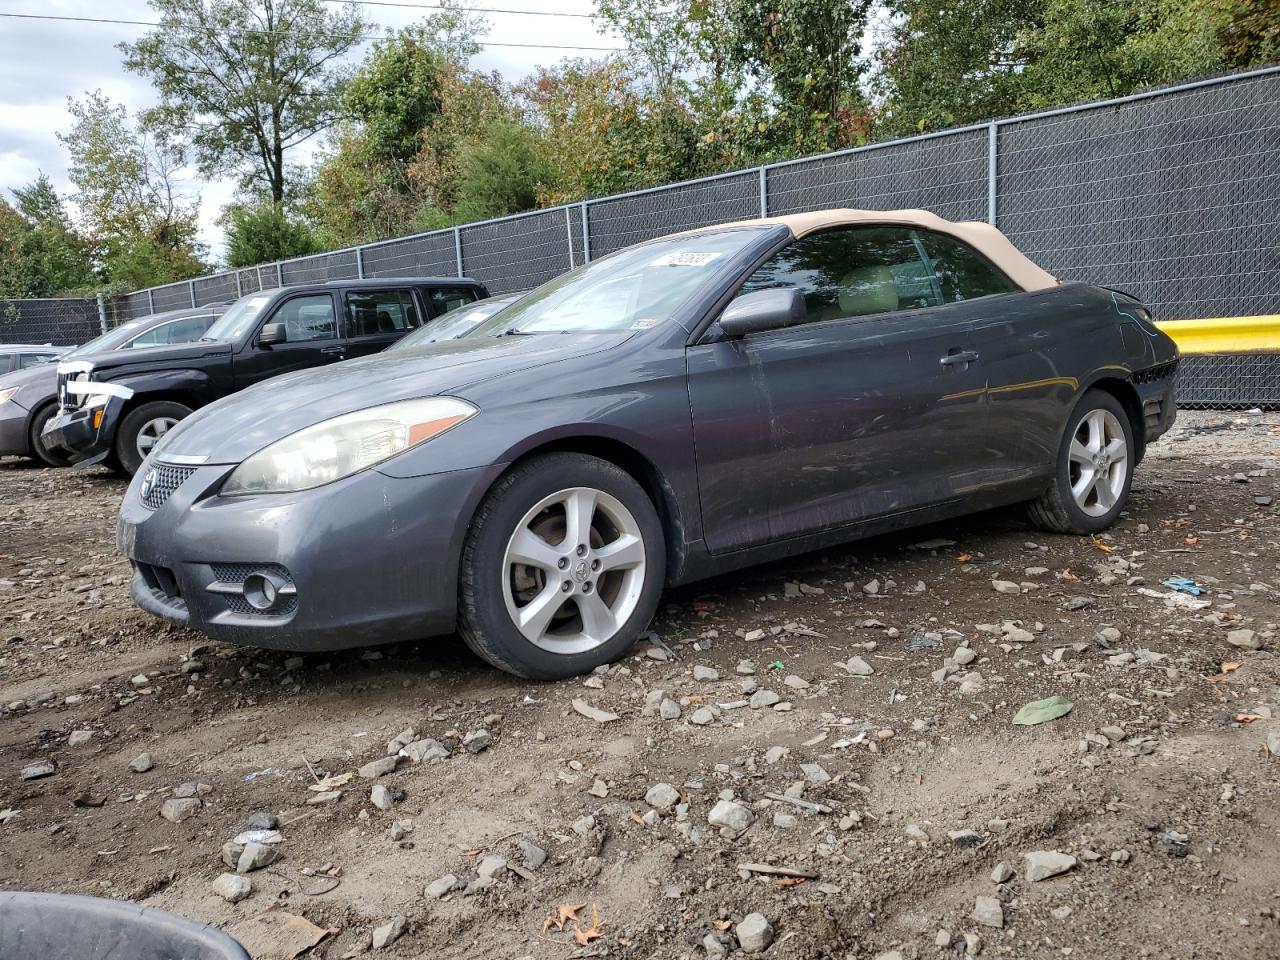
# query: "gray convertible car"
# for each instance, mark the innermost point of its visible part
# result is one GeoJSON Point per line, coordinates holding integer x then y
{"type": "Point", "coordinates": [682, 408]}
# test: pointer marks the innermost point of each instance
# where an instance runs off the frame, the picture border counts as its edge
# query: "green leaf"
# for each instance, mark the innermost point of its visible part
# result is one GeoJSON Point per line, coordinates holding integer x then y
{"type": "Point", "coordinates": [1042, 711]}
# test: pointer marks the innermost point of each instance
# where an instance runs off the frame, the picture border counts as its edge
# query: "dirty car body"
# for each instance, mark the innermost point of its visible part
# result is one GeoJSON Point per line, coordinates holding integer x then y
{"type": "Point", "coordinates": [771, 387]}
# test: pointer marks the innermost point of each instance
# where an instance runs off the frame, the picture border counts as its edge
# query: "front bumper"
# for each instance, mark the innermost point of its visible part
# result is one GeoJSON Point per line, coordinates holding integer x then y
{"type": "Point", "coordinates": [1156, 388]}
{"type": "Point", "coordinates": [13, 430]}
{"type": "Point", "coordinates": [85, 435]}
{"type": "Point", "coordinates": [367, 560]}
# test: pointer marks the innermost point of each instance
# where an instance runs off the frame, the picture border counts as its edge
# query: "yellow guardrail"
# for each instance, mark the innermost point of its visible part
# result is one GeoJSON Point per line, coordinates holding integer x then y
{"type": "Point", "coordinates": [1225, 334]}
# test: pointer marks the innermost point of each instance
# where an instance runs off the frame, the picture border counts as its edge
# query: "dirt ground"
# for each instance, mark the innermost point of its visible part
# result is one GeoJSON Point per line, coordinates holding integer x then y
{"type": "Point", "coordinates": [923, 786]}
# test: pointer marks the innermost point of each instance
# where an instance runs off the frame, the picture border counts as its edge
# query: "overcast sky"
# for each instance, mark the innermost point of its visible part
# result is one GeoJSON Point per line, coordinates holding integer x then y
{"type": "Point", "coordinates": [42, 63]}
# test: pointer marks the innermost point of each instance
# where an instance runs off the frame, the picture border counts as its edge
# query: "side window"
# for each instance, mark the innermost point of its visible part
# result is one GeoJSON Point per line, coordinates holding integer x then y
{"type": "Point", "coordinates": [851, 272]}
{"type": "Point", "coordinates": [444, 299]}
{"type": "Point", "coordinates": [962, 273]}
{"type": "Point", "coordinates": [26, 360]}
{"type": "Point", "coordinates": [380, 311]}
{"type": "Point", "coordinates": [307, 318]}
{"type": "Point", "coordinates": [175, 331]}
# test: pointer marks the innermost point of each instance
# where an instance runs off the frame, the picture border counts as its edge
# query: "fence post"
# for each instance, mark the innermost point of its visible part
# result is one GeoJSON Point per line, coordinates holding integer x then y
{"type": "Point", "coordinates": [991, 172]}
{"type": "Point", "coordinates": [151, 301]}
{"type": "Point", "coordinates": [279, 275]}
{"type": "Point", "coordinates": [360, 262]}
{"type": "Point", "coordinates": [102, 313]}
{"type": "Point", "coordinates": [457, 249]}
{"type": "Point", "coordinates": [764, 192]}
{"type": "Point", "coordinates": [191, 289]}
{"type": "Point", "coordinates": [568, 229]}
{"type": "Point", "coordinates": [239, 292]}
{"type": "Point", "coordinates": [586, 235]}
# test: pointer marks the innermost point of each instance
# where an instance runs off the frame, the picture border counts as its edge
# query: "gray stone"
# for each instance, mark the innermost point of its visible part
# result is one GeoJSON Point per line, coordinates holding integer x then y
{"type": "Point", "coordinates": [963, 656]}
{"type": "Point", "coordinates": [1005, 586]}
{"type": "Point", "coordinates": [795, 682]}
{"type": "Point", "coordinates": [662, 796]}
{"type": "Point", "coordinates": [388, 933]}
{"type": "Point", "coordinates": [859, 667]}
{"type": "Point", "coordinates": [438, 888]}
{"type": "Point", "coordinates": [477, 740]}
{"type": "Point", "coordinates": [972, 944]}
{"type": "Point", "coordinates": [1043, 864]}
{"type": "Point", "coordinates": [754, 932]}
{"type": "Point", "coordinates": [378, 768]}
{"type": "Point", "coordinates": [764, 698]}
{"type": "Point", "coordinates": [141, 763]}
{"type": "Point", "coordinates": [1244, 639]}
{"type": "Point", "coordinates": [746, 668]}
{"type": "Point", "coordinates": [179, 809]}
{"type": "Point", "coordinates": [814, 773]}
{"type": "Point", "coordinates": [232, 887]}
{"type": "Point", "coordinates": [381, 797]}
{"type": "Point", "coordinates": [534, 855]}
{"type": "Point", "coordinates": [492, 866]}
{"type": "Point", "coordinates": [79, 738]}
{"type": "Point", "coordinates": [706, 674]}
{"type": "Point", "coordinates": [669, 709]}
{"type": "Point", "coordinates": [988, 912]}
{"type": "Point", "coordinates": [916, 833]}
{"type": "Point", "coordinates": [584, 825]}
{"type": "Point", "coordinates": [255, 856]}
{"type": "Point", "coordinates": [702, 716]}
{"type": "Point", "coordinates": [424, 751]}
{"type": "Point", "coordinates": [774, 754]}
{"type": "Point", "coordinates": [785, 821]}
{"type": "Point", "coordinates": [1002, 873]}
{"type": "Point", "coordinates": [731, 816]}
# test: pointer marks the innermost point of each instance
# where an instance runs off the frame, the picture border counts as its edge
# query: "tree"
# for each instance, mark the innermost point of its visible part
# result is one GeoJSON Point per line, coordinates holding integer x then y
{"type": "Point", "coordinates": [264, 231]}
{"type": "Point", "coordinates": [141, 226]}
{"type": "Point", "coordinates": [504, 170]}
{"type": "Point", "coordinates": [42, 254]}
{"type": "Point", "coordinates": [241, 82]}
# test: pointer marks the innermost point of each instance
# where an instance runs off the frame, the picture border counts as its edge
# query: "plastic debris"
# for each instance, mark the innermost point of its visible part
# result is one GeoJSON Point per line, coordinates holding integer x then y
{"type": "Point", "coordinates": [1183, 585]}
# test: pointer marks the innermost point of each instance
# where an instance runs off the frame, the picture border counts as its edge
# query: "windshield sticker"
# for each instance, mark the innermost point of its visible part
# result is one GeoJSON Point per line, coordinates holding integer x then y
{"type": "Point", "coordinates": [644, 324]}
{"type": "Point", "coordinates": [258, 301]}
{"type": "Point", "coordinates": [688, 258]}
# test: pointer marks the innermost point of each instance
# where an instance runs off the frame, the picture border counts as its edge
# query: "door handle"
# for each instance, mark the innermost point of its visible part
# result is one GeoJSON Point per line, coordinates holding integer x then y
{"type": "Point", "coordinates": [960, 358]}
{"type": "Point", "coordinates": [334, 351]}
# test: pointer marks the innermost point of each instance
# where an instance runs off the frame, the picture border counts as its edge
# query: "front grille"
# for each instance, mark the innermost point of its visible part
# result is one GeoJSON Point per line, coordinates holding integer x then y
{"type": "Point", "coordinates": [162, 584]}
{"type": "Point", "coordinates": [161, 480]}
{"type": "Point", "coordinates": [1161, 371]}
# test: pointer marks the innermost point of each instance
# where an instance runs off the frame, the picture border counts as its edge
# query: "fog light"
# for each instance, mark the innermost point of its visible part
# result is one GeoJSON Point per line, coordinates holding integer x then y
{"type": "Point", "coordinates": [264, 589]}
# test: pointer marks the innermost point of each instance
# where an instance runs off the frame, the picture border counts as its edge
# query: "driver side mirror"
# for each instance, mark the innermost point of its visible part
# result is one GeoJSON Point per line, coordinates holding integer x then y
{"type": "Point", "coordinates": [763, 310]}
{"type": "Point", "coordinates": [272, 333]}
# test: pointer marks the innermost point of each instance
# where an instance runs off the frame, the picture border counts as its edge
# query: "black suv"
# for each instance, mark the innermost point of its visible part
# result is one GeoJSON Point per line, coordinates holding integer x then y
{"type": "Point", "coordinates": [115, 406]}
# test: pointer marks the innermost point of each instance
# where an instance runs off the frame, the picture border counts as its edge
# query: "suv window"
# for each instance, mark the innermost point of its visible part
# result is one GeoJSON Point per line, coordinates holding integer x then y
{"type": "Point", "coordinates": [860, 271]}
{"type": "Point", "coordinates": [381, 311]}
{"type": "Point", "coordinates": [183, 330]}
{"type": "Point", "coordinates": [26, 360]}
{"type": "Point", "coordinates": [444, 299]}
{"type": "Point", "coordinates": [308, 318]}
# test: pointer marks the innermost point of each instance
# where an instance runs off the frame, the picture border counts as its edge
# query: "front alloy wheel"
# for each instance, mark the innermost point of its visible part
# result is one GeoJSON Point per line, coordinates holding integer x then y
{"type": "Point", "coordinates": [562, 567]}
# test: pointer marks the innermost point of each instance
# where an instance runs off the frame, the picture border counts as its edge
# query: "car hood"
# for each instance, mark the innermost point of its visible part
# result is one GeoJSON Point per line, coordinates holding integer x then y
{"type": "Point", "coordinates": [34, 384]}
{"type": "Point", "coordinates": [241, 424]}
{"type": "Point", "coordinates": [122, 361]}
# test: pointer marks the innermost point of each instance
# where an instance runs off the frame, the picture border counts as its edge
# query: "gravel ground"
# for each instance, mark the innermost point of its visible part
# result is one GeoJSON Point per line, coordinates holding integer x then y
{"type": "Point", "coordinates": [875, 809]}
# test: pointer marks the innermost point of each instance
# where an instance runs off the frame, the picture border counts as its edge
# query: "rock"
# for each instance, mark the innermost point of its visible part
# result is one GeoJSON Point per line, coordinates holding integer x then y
{"type": "Point", "coordinates": [662, 796]}
{"type": "Point", "coordinates": [916, 834]}
{"type": "Point", "coordinates": [378, 768]}
{"type": "Point", "coordinates": [668, 709]}
{"type": "Point", "coordinates": [424, 751]}
{"type": "Point", "coordinates": [746, 668]}
{"type": "Point", "coordinates": [1060, 913]}
{"type": "Point", "coordinates": [179, 809]}
{"type": "Point", "coordinates": [1120, 856]}
{"type": "Point", "coordinates": [774, 754]}
{"type": "Point", "coordinates": [262, 820]}
{"type": "Point", "coordinates": [713, 946]}
{"type": "Point", "coordinates": [584, 825]}
{"type": "Point", "coordinates": [232, 887]}
{"type": "Point", "coordinates": [255, 856]}
{"type": "Point", "coordinates": [764, 698]}
{"type": "Point", "coordinates": [382, 797]}
{"type": "Point", "coordinates": [79, 738]}
{"type": "Point", "coordinates": [141, 680]}
{"type": "Point", "coordinates": [972, 944]}
{"type": "Point", "coordinates": [871, 588]}
{"type": "Point", "coordinates": [706, 674]}
{"type": "Point", "coordinates": [702, 716]}
{"type": "Point", "coordinates": [785, 821]}
{"type": "Point", "coordinates": [1002, 873]}
{"type": "Point", "coordinates": [598, 788]}
{"type": "Point", "coordinates": [942, 938]}
{"type": "Point", "coordinates": [963, 656]}
{"type": "Point", "coordinates": [534, 855]}
{"type": "Point", "coordinates": [492, 866]}
{"type": "Point", "coordinates": [141, 763]}
{"type": "Point", "coordinates": [1043, 864]}
{"type": "Point", "coordinates": [1005, 586]}
{"type": "Point", "coordinates": [388, 933]}
{"type": "Point", "coordinates": [988, 912]}
{"type": "Point", "coordinates": [859, 667]}
{"type": "Point", "coordinates": [964, 838]}
{"type": "Point", "coordinates": [399, 830]}
{"type": "Point", "coordinates": [814, 773]}
{"type": "Point", "coordinates": [796, 683]}
{"type": "Point", "coordinates": [754, 933]}
{"type": "Point", "coordinates": [1175, 844]}
{"type": "Point", "coordinates": [438, 888]}
{"type": "Point", "coordinates": [477, 740]}
{"type": "Point", "coordinates": [1244, 639]}
{"type": "Point", "coordinates": [593, 713]}
{"type": "Point", "coordinates": [194, 666]}
{"type": "Point", "coordinates": [730, 816]}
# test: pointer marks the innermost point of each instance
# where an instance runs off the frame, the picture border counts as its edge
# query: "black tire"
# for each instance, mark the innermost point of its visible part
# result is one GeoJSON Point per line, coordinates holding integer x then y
{"type": "Point", "coordinates": [483, 619]}
{"type": "Point", "coordinates": [38, 450]}
{"type": "Point", "coordinates": [1056, 509]}
{"type": "Point", "coordinates": [126, 445]}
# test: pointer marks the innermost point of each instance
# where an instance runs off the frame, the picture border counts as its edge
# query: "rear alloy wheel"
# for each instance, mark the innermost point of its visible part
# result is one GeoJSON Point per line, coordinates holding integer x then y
{"type": "Point", "coordinates": [562, 568]}
{"type": "Point", "coordinates": [38, 450]}
{"type": "Point", "coordinates": [1094, 470]}
{"type": "Point", "coordinates": [142, 428]}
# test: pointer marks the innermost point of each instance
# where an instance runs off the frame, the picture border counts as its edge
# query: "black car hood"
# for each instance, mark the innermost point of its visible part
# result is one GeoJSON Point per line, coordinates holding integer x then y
{"type": "Point", "coordinates": [34, 384]}
{"type": "Point", "coordinates": [239, 425]}
{"type": "Point", "coordinates": [115, 362]}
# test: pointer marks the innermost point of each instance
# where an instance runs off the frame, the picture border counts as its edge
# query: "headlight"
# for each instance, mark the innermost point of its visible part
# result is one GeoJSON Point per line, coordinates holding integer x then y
{"type": "Point", "coordinates": [345, 445]}
{"type": "Point", "coordinates": [5, 395]}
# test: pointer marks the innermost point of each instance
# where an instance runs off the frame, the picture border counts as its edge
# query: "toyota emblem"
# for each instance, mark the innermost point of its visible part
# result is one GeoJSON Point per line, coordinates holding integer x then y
{"type": "Point", "coordinates": [148, 481]}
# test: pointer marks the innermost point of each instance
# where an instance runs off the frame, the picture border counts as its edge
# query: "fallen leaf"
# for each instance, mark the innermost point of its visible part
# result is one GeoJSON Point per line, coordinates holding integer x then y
{"type": "Point", "coordinates": [722, 924]}
{"type": "Point", "coordinates": [564, 913]}
{"type": "Point", "coordinates": [636, 818]}
{"type": "Point", "coordinates": [1042, 711]}
{"type": "Point", "coordinates": [278, 933]}
{"type": "Point", "coordinates": [1190, 541]}
{"type": "Point", "coordinates": [787, 881]}
{"type": "Point", "coordinates": [329, 783]}
{"type": "Point", "coordinates": [1099, 545]}
{"type": "Point", "coordinates": [1248, 717]}
{"type": "Point", "coordinates": [965, 557]}
{"type": "Point", "coordinates": [1227, 668]}
{"type": "Point", "coordinates": [583, 937]}
{"type": "Point", "coordinates": [1066, 574]}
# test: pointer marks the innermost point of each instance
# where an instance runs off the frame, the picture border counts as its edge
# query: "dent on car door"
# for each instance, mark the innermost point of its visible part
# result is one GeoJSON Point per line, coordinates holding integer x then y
{"type": "Point", "coordinates": [870, 408]}
{"type": "Point", "coordinates": [311, 328]}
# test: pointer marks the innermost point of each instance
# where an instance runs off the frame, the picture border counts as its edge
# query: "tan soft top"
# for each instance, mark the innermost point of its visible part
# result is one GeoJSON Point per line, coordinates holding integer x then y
{"type": "Point", "coordinates": [983, 237]}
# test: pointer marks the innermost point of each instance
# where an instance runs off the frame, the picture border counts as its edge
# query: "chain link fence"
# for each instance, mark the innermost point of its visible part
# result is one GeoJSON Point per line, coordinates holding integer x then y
{"type": "Point", "coordinates": [63, 323]}
{"type": "Point", "coordinates": [1172, 195]}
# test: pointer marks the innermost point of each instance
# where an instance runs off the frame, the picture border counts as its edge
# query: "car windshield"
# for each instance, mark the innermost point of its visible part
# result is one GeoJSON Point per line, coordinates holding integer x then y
{"type": "Point", "coordinates": [633, 290]}
{"type": "Point", "coordinates": [453, 324]}
{"type": "Point", "coordinates": [240, 316]}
